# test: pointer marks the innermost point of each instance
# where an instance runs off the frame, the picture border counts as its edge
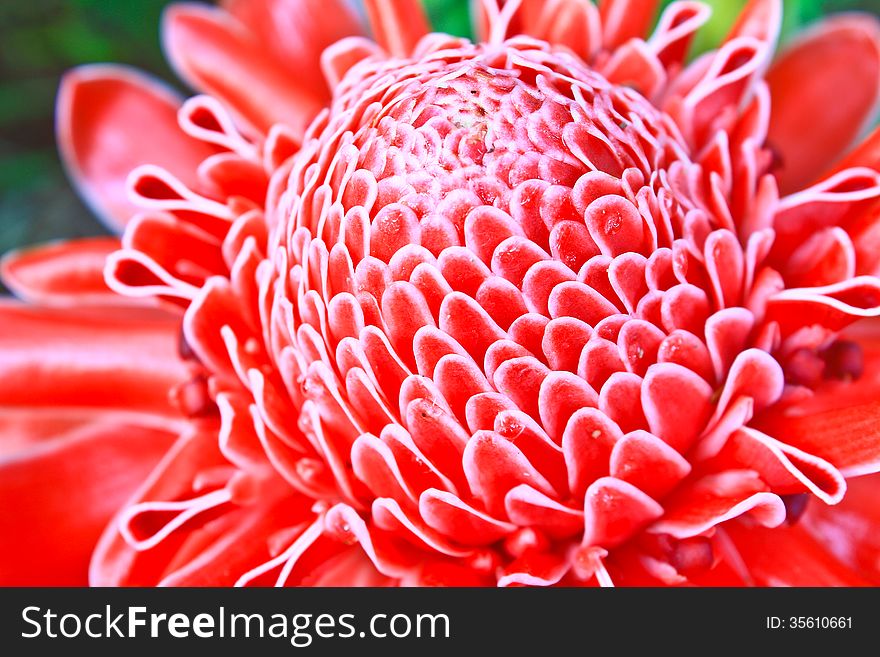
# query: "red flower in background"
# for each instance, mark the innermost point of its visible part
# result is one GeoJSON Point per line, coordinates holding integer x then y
{"type": "Point", "coordinates": [557, 307]}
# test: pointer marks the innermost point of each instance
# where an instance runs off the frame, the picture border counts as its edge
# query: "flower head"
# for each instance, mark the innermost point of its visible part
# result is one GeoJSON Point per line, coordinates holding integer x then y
{"type": "Point", "coordinates": [557, 306]}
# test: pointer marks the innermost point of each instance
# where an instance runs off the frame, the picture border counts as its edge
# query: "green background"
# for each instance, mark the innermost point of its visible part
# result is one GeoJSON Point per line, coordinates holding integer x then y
{"type": "Point", "coordinates": [39, 39]}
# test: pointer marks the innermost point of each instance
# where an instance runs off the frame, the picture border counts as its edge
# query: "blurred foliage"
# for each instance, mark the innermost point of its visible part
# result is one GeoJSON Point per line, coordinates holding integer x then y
{"type": "Point", "coordinates": [40, 39]}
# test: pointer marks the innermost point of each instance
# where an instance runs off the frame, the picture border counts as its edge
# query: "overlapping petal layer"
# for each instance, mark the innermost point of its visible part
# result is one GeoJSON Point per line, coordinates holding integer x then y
{"type": "Point", "coordinates": [555, 307]}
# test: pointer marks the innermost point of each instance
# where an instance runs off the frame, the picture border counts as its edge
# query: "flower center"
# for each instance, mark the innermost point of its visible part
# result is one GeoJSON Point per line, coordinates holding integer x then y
{"type": "Point", "coordinates": [474, 141]}
{"type": "Point", "coordinates": [483, 249]}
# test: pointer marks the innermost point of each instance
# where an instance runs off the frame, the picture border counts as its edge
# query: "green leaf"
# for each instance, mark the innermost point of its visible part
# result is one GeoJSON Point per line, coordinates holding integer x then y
{"type": "Point", "coordinates": [450, 16]}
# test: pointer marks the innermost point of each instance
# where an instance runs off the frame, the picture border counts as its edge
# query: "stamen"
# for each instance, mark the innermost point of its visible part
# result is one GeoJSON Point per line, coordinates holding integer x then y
{"type": "Point", "coordinates": [795, 506]}
{"type": "Point", "coordinates": [844, 361]}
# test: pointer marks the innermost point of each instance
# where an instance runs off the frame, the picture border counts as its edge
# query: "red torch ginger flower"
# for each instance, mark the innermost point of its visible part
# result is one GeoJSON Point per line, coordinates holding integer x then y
{"type": "Point", "coordinates": [555, 307]}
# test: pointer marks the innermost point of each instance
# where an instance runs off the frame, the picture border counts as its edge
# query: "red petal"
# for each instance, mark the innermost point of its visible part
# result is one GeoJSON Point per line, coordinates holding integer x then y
{"type": "Point", "coordinates": [397, 24]}
{"type": "Point", "coordinates": [786, 469]}
{"type": "Point", "coordinates": [531, 508]}
{"type": "Point", "coordinates": [55, 500]}
{"type": "Point", "coordinates": [625, 19]}
{"type": "Point", "coordinates": [389, 555]}
{"type": "Point", "coordinates": [614, 510]}
{"type": "Point", "coordinates": [110, 359]}
{"type": "Point", "coordinates": [535, 569]}
{"type": "Point", "coordinates": [648, 463]}
{"type": "Point", "coordinates": [374, 464]}
{"type": "Point", "coordinates": [834, 427]}
{"type": "Point", "coordinates": [349, 568]}
{"type": "Point", "coordinates": [866, 154]}
{"type": "Point", "coordinates": [570, 23]}
{"type": "Point", "coordinates": [833, 306]}
{"type": "Point", "coordinates": [704, 503]}
{"type": "Point", "coordinates": [101, 114]}
{"type": "Point", "coordinates": [217, 53]}
{"type": "Point", "coordinates": [826, 258]}
{"type": "Point", "coordinates": [788, 556]}
{"type": "Point", "coordinates": [115, 562]}
{"type": "Point", "coordinates": [448, 514]}
{"type": "Point", "coordinates": [63, 274]}
{"type": "Point", "coordinates": [494, 465]}
{"type": "Point", "coordinates": [387, 514]}
{"type": "Point", "coordinates": [219, 552]}
{"type": "Point", "coordinates": [760, 19]}
{"type": "Point", "coordinates": [22, 429]}
{"type": "Point", "coordinates": [851, 530]}
{"type": "Point", "coordinates": [316, 26]}
{"type": "Point", "coordinates": [678, 424]}
{"type": "Point", "coordinates": [825, 89]}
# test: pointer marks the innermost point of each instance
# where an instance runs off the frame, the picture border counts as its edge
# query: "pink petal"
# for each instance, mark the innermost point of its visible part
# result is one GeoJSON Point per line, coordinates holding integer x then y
{"type": "Point", "coordinates": [521, 379]}
{"type": "Point", "coordinates": [754, 374]}
{"type": "Point", "coordinates": [727, 332]}
{"type": "Point", "coordinates": [675, 30]}
{"type": "Point", "coordinates": [615, 225]}
{"type": "Point", "coordinates": [729, 80]}
{"type": "Point", "coordinates": [528, 436]}
{"type": "Point", "coordinates": [621, 400]}
{"type": "Point", "coordinates": [560, 396]}
{"type": "Point", "coordinates": [685, 349]}
{"type": "Point", "coordinates": [338, 58]}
